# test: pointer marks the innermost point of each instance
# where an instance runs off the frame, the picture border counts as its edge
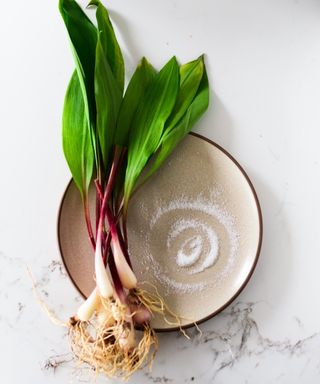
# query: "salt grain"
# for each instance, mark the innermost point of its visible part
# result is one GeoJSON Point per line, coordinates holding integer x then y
{"type": "Point", "coordinates": [195, 241]}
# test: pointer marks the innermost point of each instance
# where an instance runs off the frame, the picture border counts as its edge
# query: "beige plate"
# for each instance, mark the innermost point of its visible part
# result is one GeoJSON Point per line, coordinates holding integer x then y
{"type": "Point", "coordinates": [195, 232]}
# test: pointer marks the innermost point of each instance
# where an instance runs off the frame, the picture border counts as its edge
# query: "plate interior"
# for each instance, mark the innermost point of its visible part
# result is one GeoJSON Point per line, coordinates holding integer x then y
{"type": "Point", "coordinates": [194, 232]}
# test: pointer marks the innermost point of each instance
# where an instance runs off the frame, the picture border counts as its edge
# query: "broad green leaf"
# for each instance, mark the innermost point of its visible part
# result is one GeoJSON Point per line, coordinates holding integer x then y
{"type": "Point", "coordinates": [155, 107]}
{"type": "Point", "coordinates": [190, 77]}
{"type": "Point", "coordinates": [76, 141]}
{"type": "Point", "coordinates": [172, 138]}
{"type": "Point", "coordinates": [109, 43]}
{"type": "Point", "coordinates": [108, 99]}
{"type": "Point", "coordinates": [83, 37]}
{"type": "Point", "coordinates": [136, 89]}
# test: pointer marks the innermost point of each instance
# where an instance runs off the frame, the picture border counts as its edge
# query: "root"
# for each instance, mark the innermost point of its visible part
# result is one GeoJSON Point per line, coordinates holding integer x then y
{"type": "Point", "coordinates": [108, 343]}
{"type": "Point", "coordinates": [100, 344]}
{"type": "Point", "coordinates": [54, 319]}
{"type": "Point", "coordinates": [156, 304]}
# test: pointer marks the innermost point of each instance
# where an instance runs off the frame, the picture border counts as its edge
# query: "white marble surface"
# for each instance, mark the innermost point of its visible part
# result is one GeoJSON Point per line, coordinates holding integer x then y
{"type": "Point", "coordinates": [264, 64]}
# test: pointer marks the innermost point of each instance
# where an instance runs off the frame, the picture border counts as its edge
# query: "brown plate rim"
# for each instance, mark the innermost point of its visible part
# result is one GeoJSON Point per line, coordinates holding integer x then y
{"type": "Point", "coordinates": [221, 308]}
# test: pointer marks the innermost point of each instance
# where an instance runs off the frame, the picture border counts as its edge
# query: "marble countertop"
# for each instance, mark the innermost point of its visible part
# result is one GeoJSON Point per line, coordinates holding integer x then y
{"type": "Point", "coordinates": [264, 65]}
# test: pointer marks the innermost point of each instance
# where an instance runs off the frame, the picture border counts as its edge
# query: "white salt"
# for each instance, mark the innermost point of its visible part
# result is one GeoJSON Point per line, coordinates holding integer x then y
{"type": "Point", "coordinates": [190, 252]}
{"type": "Point", "coordinates": [195, 244]}
{"type": "Point", "coordinates": [192, 241]}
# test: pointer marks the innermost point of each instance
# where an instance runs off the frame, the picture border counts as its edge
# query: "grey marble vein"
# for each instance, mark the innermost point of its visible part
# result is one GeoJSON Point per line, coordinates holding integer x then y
{"type": "Point", "coordinates": [228, 341]}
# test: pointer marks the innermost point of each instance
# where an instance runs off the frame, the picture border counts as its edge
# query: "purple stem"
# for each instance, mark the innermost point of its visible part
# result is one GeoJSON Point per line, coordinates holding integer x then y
{"type": "Point", "coordinates": [104, 205]}
{"type": "Point", "coordinates": [98, 189]}
{"type": "Point", "coordinates": [88, 222]}
{"type": "Point", "coordinates": [123, 244]}
{"type": "Point", "coordinates": [107, 193]}
{"type": "Point", "coordinates": [106, 248]}
{"type": "Point", "coordinates": [117, 234]}
{"type": "Point", "coordinates": [116, 279]}
{"type": "Point", "coordinates": [99, 197]}
{"type": "Point", "coordinates": [105, 211]}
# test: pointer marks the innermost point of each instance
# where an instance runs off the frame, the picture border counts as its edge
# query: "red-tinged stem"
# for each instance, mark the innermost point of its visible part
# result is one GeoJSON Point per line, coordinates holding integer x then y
{"type": "Point", "coordinates": [98, 210]}
{"type": "Point", "coordinates": [106, 196]}
{"type": "Point", "coordinates": [88, 222]}
{"type": "Point", "coordinates": [98, 189]}
{"type": "Point", "coordinates": [123, 210]}
{"type": "Point", "coordinates": [116, 235]}
{"type": "Point", "coordinates": [102, 241]}
{"type": "Point", "coordinates": [116, 279]}
{"type": "Point", "coordinates": [112, 177]}
{"type": "Point", "coordinates": [106, 248]}
{"type": "Point", "coordinates": [120, 208]}
{"type": "Point", "coordinates": [98, 197]}
{"type": "Point", "coordinates": [123, 222]}
{"type": "Point", "coordinates": [124, 244]}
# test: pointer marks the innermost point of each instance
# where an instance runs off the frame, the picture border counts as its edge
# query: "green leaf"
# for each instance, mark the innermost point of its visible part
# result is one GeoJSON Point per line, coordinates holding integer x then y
{"type": "Point", "coordinates": [76, 141]}
{"type": "Point", "coordinates": [190, 77]}
{"type": "Point", "coordinates": [109, 43]}
{"type": "Point", "coordinates": [172, 138]}
{"type": "Point", "coordinates": [108, 99]}
{"type": "Point", "coordinates": [137, 87]}
{"type": "Point", "coordinates": [155, 107]}
{"type": "Point", "coordinates": [83, 37]}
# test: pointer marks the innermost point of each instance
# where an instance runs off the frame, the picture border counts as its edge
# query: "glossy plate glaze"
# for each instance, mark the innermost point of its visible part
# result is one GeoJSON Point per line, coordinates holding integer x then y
{"type": "Point", "coordinates": [195, 232]}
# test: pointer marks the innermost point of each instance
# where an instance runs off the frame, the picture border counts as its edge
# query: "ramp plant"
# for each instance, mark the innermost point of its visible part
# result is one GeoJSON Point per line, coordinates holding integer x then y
{"type": "Point", "coordinates": [110, 134]}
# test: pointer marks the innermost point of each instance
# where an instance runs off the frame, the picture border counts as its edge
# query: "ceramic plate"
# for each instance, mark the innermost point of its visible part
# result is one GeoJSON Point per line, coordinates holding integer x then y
{"type": "Point", "coordinates": [195, 232]}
